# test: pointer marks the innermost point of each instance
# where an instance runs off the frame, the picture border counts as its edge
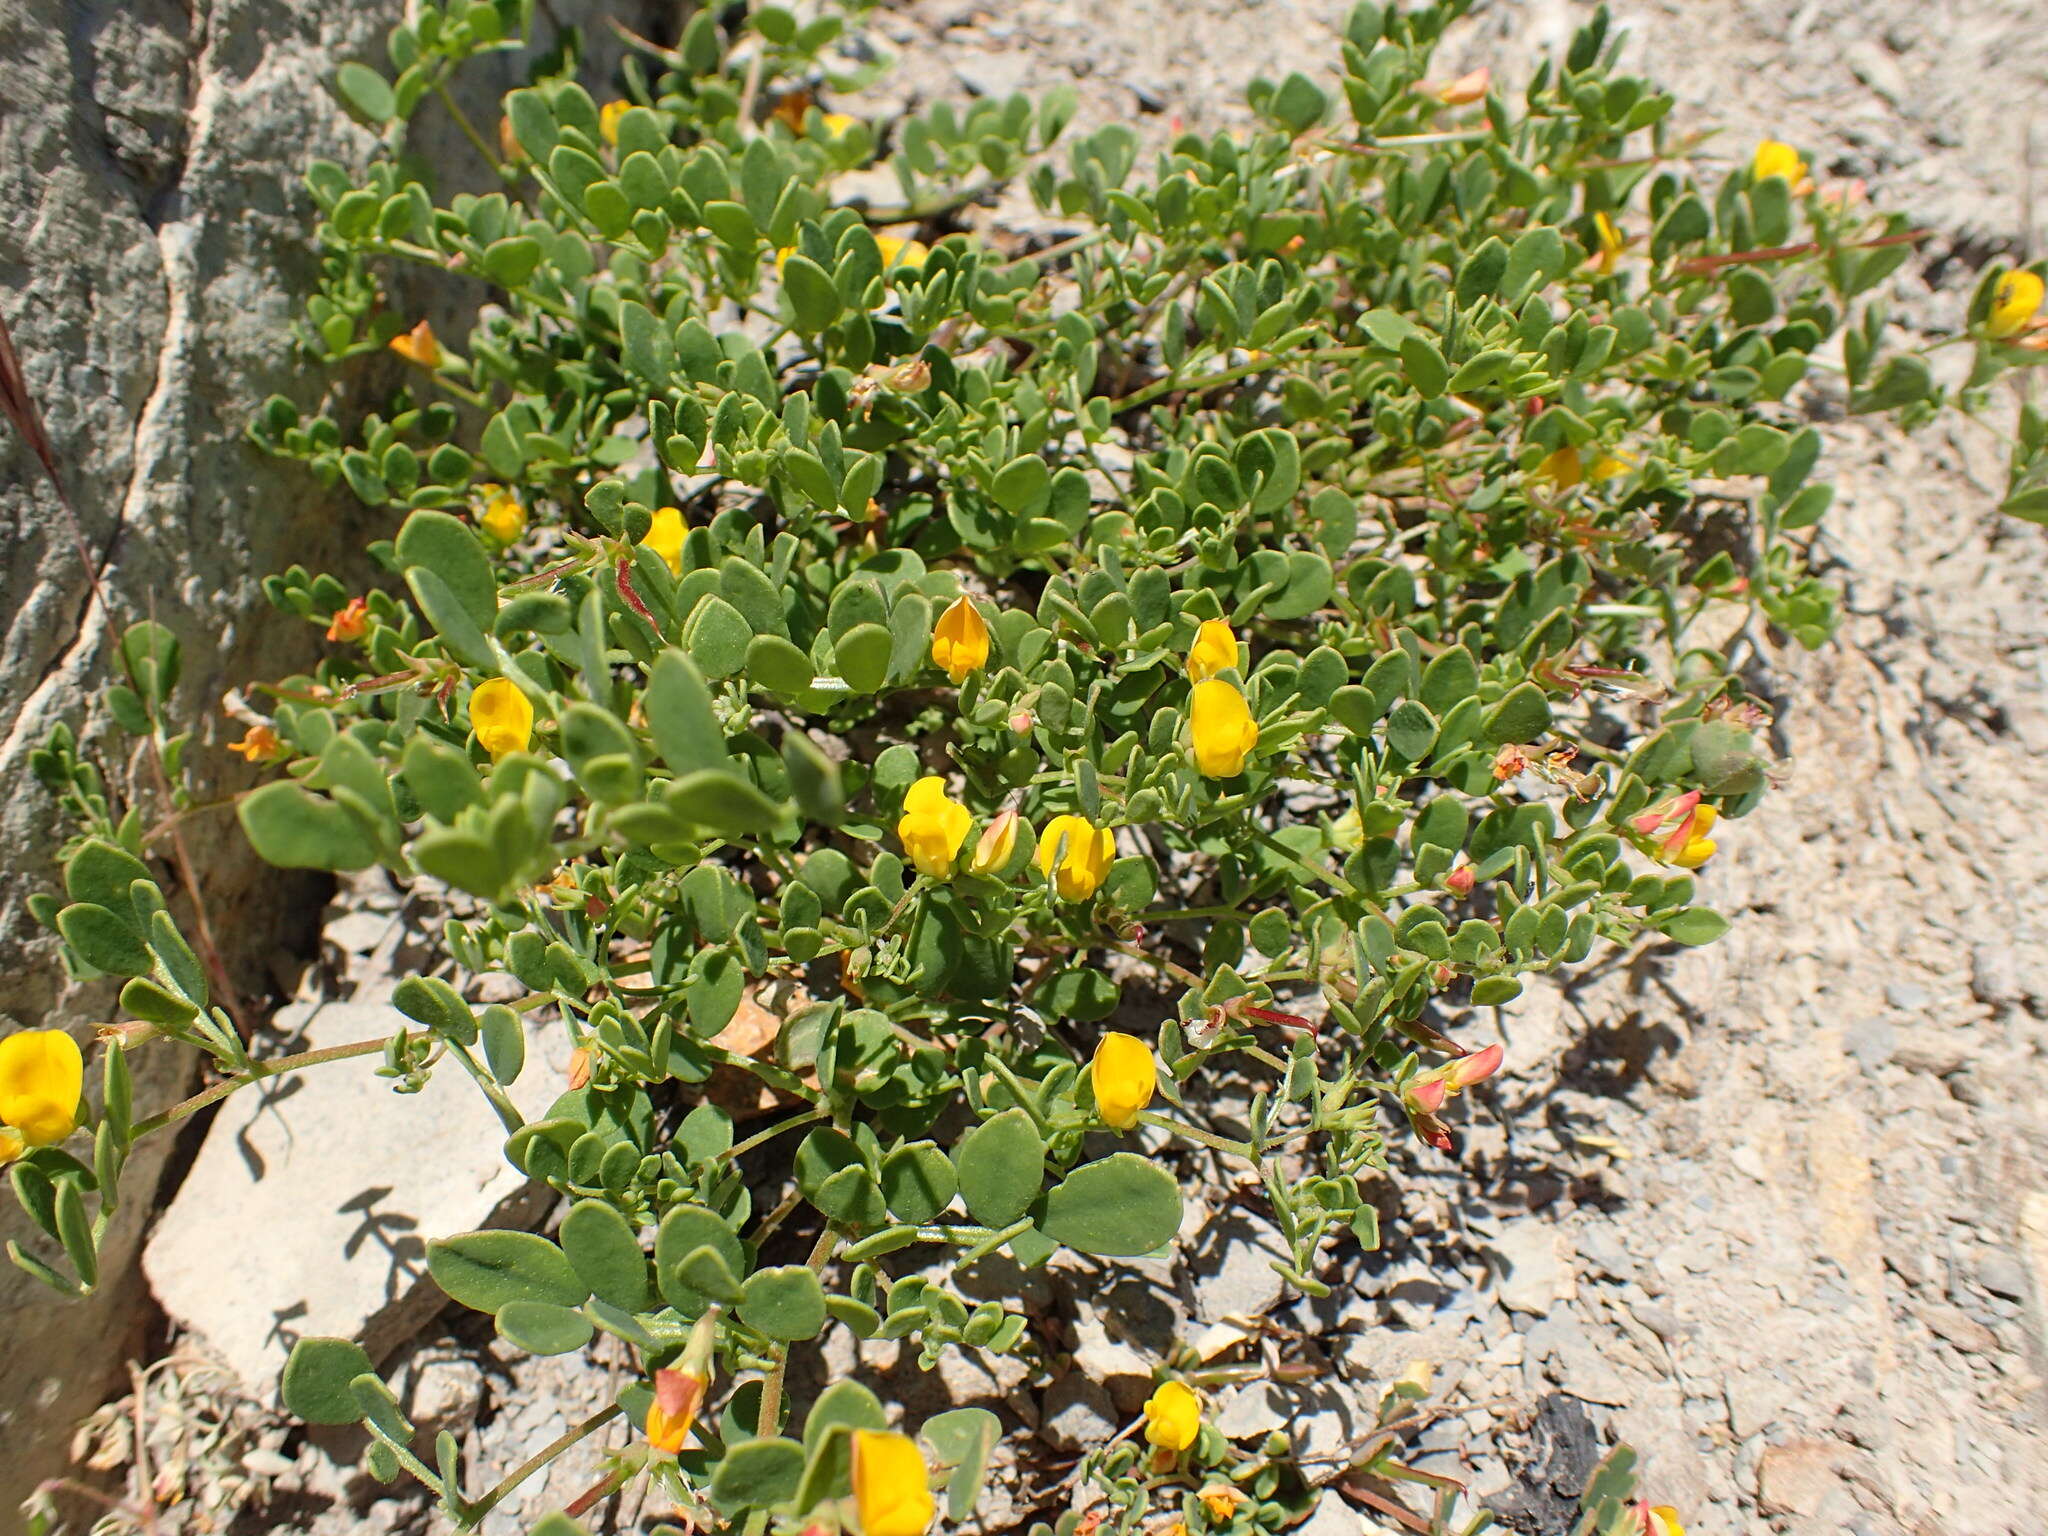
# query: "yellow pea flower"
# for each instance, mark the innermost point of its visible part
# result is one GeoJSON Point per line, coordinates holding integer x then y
{"type": "Point", "coordinates": [1223, 729]}
{"type": "Point", "coordinates": [1612, 243]}
{"type": "Point", "coordinates": [1561, 468]}
{"type": "Point", "coordinates": [1173, 1416]}
{"type": "Point", "coordinates": [1214, 650]}
{"type": "Point", "coordinates": [836, 123]}
{"type": "Point", "coordinates": [501, 716]}
{"type": "Point", "coordinates": [418, 345]}
{"type": "Point", "coordinates": [503, 518]}
{"type": "Point", "coordinates": [960, 641]}
{"type": "Point", "coordinates": [933, 827]}
{"type": "Point", "coordinates": [1606, 466]}
{"type": "Point", "coordinates": [1775, 159]}
{"type": "Point", "coordinates": [1124, 1079]}
{"type": "Point", "coordinates": [608, 119]}
{"type": "Point", "coordinates": [2014, 301]}
{"type": "Point", "coordinates": [892, 1491]}
{"type": "Point", "coordinates": [1075, 855]}
{"type": "Point", "coordinates": [1680, 827]}
{"type": "Point", "coordinates": [665, 537]}
{"type": "Point", "coordinates": [899, 252]}
{"type": "Point", "coordinates": [1662, 1520]}
{"type": "Point", "coordinates": [994, 848]}
{"type": "Point", "coordinates": [42, 1077]}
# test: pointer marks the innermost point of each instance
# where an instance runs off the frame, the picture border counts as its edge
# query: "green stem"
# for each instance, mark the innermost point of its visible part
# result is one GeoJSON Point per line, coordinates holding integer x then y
{"type": "Point", "coordinates": [759, 1138]}
{"type": "Point", "coordinates": [535, 1462]}
{"type": "Point", "coordinates": [258, 1072]}
{"type": "Point", "coordinates": [468, 128]}
{"type": "Point", "coordinates": [507, 1112]}
{"type": "Point", "coordinates": [1193, 1133]}
{"type": "Point", "coordinates": [1026, 1101]}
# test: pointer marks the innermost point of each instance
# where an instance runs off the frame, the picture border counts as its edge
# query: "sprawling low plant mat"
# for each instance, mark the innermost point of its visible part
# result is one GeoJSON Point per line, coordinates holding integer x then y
{"type": "Point", "coordinates": [1236, 639]}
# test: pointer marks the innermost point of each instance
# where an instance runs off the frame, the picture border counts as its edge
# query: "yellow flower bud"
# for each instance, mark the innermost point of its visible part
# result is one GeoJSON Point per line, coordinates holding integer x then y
{"type": "Point", "coordinates": [665, 537]}
{"type": "Point", "coordinates": [1775, 159]}
{"type": "Point", "coordinates": [994, 848]}
{"type": "Point", "coordinates": [679, 1393]}
{"type": "Point", "coordinates": [1223, 729]}
{"type": "Point", "coordinates": [42, 1076]}
{"type": "Point", "coordinates": [1612, 243]}
{"type": "Point", "coordinates": [933, 827]}
{"type": "Point", "coordinates": [892, 1492]}
{"type": "Point", "coordinates": [1124, 1079]}
{"type": "Point", "coordinates": [608, 119]}
{"type": "Point", "coordinates": [899, 252]}
{"type": "Point", "coordinates": [504, 519]}
{"type": "Point", "coordinates": [960, 641]}
{"type": "Point", "coordinates": [2015, 300]}
{"type": "Point", "coordinates": [1173, 1416]}
{"type": "Point", "coordinates": [1075, 855]}
{"type": "Point", "coordinates": [418, 345]}
{"type": "Point", "coordinates": [501, 716]}
{"type": "Point", "coordinates": [1214, 650]}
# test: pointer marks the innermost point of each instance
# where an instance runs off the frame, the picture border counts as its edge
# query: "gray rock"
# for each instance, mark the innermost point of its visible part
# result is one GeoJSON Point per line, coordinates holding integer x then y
{"type": "Point", "coordinates": [1531, 1255]}
{"type": "Point", "coordinates": [1996, 976]}
{"type": "Point", "coordinates": [1076, 1414]}
{"type": "Point", "coordinates": [1871, 1041]}
{"type": "Point", "coordinates": [1332, 1516]}
{"type": "Point", "coordinates": [155, 244]}
{"type": "Point", "coordinates": [2003, 1275]}
{"type": "Point", "coordinates": [1907, 996]}
{"type": "Point", "coordinates": [1232, 1267]}
{"type": "Point", "coordinates": [309, 1207]}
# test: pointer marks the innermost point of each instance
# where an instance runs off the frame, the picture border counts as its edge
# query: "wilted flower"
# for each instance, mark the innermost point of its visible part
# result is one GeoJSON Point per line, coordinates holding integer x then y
{"type": "Point", "coordinates": [1223, 729]}
{"type": "Point", "coordinates": [2015, 300]}
{"type": "Point", "coordinates": [996, 846]}
{"type": "Point", "coordinates": [960, 641]}
{"type": "Point", "coordinates": [1221, 1500]}
{"type": "Point", "coordinates": [1173, 1416]}
{"type": "Point", "coordinates": [932, 827]}
{"type": "Point", "coordinates": [1124, 1079]}
{"type": "Point", "coordinates": [1466, 89]}
{"type": "Point", "coordinates": [1075, 855]}
{"type": "Point", "coordinates": [1679, 828]}
{"type": "Point", "coordinates": [259, 744]}
{"type": "Point", "coordinates": [679, 1393]}
{"type": "Point", "coordinates": [350, 621]}
{"type": "Point", "coordinates": [1429, 1093]}
{"type": "Point", "coordinates": [418, 345]}
{"type": "Point", "coordinates": [891, 1485]}
{"type": "Point", "coordinates": [665, 535]}
{"type": "Point", "coordinates": [42, 1076]}
{"type": "Point", "coordinates": [502, 717]}
{"type": "Point", "coordinates": [1214, 650]}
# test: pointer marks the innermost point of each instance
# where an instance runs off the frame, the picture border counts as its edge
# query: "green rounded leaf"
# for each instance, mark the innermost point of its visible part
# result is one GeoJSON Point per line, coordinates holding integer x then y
{"type": "Point", "coordinates": [290, 826]}
{"type": "Point", "coordinates": [317, 1377]}
{"type": "Point", "coordinates": [918, 1182]}
{"type": "Point", "coordinates": [785, 1302]}
{"type": "Point", "coordinates": [757, 1474]}
{"type": "Point", "coordinates": [1119, 1207]}
{"type": "Point", "coordinates": [541, 1328]}
{"type": "Point", "coordinates": [485, 1270]}
{"type": "Point", "coordinates": [1002, 1167]}
{"type": "Point", "coordinates": [683, 1231]}
{"type": "Point", "coordinates": [366, 94]}
{"type": "Point", "coordinates": [605, 1252]}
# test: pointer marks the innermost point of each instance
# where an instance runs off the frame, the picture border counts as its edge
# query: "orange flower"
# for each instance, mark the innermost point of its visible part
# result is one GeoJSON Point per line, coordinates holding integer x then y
{"type": "Point", "coordinates": [350, 622]}
{"type": "Point", "coordinates": [418, 345]}
{"type": "Point", "coordinates": [259, 744]}
{"type": "Point", "coordinates": [1466, 89]}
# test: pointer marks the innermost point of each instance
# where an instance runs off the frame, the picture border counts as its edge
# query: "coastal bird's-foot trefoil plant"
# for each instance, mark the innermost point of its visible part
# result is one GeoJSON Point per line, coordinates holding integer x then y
{"type": "Point", "coordinates": [1233, 639]}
